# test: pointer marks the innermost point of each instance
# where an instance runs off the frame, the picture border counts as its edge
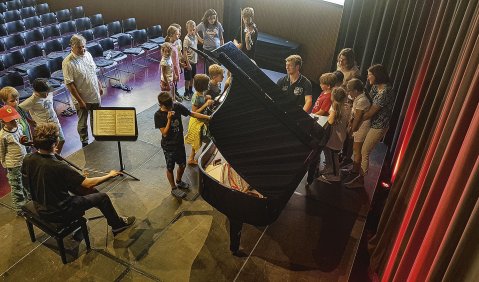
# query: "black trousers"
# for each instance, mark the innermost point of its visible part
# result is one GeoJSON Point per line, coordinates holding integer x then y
{"type": "Point", "coordinates": [235, 234]}
{"type": "Point", "coordinates": [80, 204]}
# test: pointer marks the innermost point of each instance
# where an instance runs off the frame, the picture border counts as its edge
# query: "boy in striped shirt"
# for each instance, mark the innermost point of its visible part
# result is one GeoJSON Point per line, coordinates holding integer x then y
{"type": "Point", "coordinates": [12, 153]}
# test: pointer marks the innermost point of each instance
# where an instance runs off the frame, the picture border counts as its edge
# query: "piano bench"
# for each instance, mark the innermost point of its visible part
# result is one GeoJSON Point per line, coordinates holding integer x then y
{"type": "Point", "coordinates": [55, 230]}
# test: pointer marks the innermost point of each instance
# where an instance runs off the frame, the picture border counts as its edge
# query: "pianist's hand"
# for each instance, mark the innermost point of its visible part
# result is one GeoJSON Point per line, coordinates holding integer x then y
{"type": "Point", "coordinates": [114, 173]}
{"type": "Point", "coordinates": [209, 102]}
{"type": "Point", "coordinates": [170, 114]}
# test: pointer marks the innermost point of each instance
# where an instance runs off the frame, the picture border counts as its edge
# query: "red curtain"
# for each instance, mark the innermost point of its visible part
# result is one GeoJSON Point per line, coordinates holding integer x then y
{"type": "Point", "coordinates": [436, 159]}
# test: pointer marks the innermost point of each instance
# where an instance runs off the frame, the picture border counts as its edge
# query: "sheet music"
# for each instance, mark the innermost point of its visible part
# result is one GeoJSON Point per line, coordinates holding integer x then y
{"type": "Point", "coordinates": [114, 122]}
{"type": "Point", "coordinates": [104, 122]}
{"type": "Point", "coordinates": [125, 122]}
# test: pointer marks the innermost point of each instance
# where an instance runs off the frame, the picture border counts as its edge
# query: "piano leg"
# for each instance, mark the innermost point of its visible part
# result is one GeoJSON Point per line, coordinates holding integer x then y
{"type": "Point", "coordinates": [235, 235]}
{"type": "Point", "coordinates": [312, 169]}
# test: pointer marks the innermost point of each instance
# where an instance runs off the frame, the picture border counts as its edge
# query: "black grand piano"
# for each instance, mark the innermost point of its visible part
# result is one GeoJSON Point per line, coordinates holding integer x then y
{"type": "Point", "coordinates": [262, 145]}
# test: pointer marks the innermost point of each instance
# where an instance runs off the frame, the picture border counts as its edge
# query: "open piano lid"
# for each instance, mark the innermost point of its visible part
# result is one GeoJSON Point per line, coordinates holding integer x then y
{"type": "Point", "coordinates": [262, 133]}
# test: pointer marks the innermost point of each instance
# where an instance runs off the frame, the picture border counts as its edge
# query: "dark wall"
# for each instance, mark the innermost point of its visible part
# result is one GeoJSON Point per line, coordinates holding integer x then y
{"type": "Point", "coordinates": [312, 23]}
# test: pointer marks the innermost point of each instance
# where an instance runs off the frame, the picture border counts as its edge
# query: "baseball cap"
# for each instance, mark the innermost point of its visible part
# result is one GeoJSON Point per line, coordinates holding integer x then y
{"type": "Point", "coordinates": [41, 85]}
{"type": "Point", "coordinates": [7, 113]}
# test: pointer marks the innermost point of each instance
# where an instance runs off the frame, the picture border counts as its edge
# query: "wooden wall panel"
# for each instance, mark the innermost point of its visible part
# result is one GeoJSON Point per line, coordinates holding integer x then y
{"type": "Point", "coordinates": [313, 23]}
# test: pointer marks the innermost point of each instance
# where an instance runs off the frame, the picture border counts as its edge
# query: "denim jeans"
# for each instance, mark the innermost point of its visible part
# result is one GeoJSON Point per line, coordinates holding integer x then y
{"type": "Point", "coordinates": [19, 194]}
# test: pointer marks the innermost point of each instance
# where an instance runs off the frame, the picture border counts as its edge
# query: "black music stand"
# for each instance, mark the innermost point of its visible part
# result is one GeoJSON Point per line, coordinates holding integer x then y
{"type": "Point", "coordinates": [115, 124]}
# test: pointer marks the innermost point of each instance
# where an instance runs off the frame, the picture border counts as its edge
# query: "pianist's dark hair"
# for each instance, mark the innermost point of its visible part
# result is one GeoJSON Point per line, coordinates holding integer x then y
{"type": "Point", "coordinates": [45, 135]}
{"type": "Point", "coordinates": [164, 99]}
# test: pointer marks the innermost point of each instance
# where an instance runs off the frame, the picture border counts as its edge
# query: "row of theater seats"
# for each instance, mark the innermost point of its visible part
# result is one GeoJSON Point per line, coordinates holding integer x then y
{"type": "Point", "coordinates": [15, 5]}
{"type": "Point", "coordinates": [38, 10]}
{"type": "Point", "coordinates": [20, 24]}
{"type": "Point", "coordinates": [38, 52]}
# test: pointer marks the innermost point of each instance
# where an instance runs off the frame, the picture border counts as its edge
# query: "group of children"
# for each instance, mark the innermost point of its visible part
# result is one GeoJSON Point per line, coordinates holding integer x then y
{"type": "Point", "coordinates": [177, 57]}
{"type": "Point", "coordinates": [344, 105]}
{"type": "Point", "coordinates": [18, 121]}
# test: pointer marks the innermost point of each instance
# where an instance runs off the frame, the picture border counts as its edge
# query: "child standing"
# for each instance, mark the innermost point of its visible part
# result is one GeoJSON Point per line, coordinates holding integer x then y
{"type": "Point", "coordinates": [338, 118]}
{"type": "Point", "coordinates": [168, 120]}
{"type": "Point", "coordinates": [10, 96]}
{"type": "Point", "coordinates": [181, 59]}
{"type": "Point", "coordinates": [166, 65]}
{"type": "Point", "coordinates": [199, 103]}
{"type": "Point", "coordinates": [210, 33]}
{"type": "Point", "coordinates": [327, 81]}
{"type": "Point", "coordinates": [12, 153]}
{"type": "Point", "coordinates": [247, 34]}
{"type": "Point", "coordinates": [40, 107]}
{"type": "Point", "coordinates": [172, 35]}
{"type": "Point", "coordinates": [358, 128]}
{"type": "Point", "coordinates": [216, 74]}
{"type": "Point", "coordinates": [191, 58]}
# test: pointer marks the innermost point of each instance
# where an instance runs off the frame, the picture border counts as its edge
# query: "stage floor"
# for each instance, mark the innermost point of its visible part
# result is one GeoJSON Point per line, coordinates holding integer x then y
{"type": "Point", "coordinates": [315, 238]}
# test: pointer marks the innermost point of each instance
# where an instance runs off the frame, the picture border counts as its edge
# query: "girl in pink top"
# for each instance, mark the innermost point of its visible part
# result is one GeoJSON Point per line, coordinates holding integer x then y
{"type": "Point", "coordinates": [172, 35]}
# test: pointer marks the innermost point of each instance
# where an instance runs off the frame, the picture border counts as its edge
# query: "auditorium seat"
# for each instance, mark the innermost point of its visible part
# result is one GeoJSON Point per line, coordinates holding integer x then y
{"type": "Point", "coordinates": [77, 12]}
{"type": "Point", "coordinates": [12, 15]}
{"type": "Point", "coordinates": [28, 3]}
{"type": "Point", "coordinates": [15, 27]}
{"type": "Point", "coordinates": [32, 22]}
{"type": "Point", "coordinates": [42, 9]}
{"type": "Point", "coordinates": [83, 23]}
{"type": "Point", "coordinates": [96, 20]}
{"type": "Point", "coordinates": [14, 40]}
{"type": "Point", "coordinates": [3, 30]}
{"type": "Point", "coordinates": [34, 35]}
{"type": "Point", "coordinates": [31, 52]}
{"type": "Point", "coordinates": [14, 79]}
{"type": "Point", "coordinates": [63, 15]}
{"type": "Point", "coordinates": [27, 12]}
{"type": "Point", "coordinates": [3, 7]}
{"type": "Point", "coordinates": [100, 31]}
{"type": "Point", "coordinates": [51, 31]}
{"type": "Point", "coordinates": [155, 34]}
{"type": "Point", "coordinates": [67, 27]}
{"type": "Point", "coordinates": [48, 18]}
{"type": "Point", "coordinates": [128, 25]}
{"type": "Point", "coordinates": [14, 5]}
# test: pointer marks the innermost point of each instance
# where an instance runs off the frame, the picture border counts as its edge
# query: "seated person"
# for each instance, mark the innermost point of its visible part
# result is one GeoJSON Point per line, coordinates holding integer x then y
{"type": "Point", "coordinates": [50, 180]}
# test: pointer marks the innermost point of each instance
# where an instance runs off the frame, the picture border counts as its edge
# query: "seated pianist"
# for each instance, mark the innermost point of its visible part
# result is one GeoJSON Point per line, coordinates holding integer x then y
{"type": "Point", "coordinates": [50, 182]}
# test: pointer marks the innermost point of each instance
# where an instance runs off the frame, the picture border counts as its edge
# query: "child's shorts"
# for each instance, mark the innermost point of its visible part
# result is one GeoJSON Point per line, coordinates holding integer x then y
{"type": "Point", "coordinates": [189, 74]}
{"type": "Point", "coordinates": [177, 156]}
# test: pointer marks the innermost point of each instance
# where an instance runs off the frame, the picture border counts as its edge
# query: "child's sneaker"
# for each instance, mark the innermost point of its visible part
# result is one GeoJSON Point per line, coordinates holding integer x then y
{"type": "Point", "coordinates": [187, 96]}
{"type": "Point", "coordinates": [358, 182]}
{"type": "Point", "coordinates": [182, 185]}
{"type": "Point", "coordinates": [351, 177]}
{"type": "Point", "coordinates": [328, 178]}
{"type": "Point", "coordinates": [178, 193]}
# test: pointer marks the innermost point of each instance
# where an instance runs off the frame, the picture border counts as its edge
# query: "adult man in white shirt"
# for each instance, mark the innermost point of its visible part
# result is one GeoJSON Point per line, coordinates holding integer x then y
{"type": "Point", "coordinates": [79, 72]}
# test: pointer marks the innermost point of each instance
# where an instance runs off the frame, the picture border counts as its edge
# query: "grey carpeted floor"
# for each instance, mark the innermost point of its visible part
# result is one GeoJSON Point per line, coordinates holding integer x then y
{"type": "Point", "coordinates": [315, 238]}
